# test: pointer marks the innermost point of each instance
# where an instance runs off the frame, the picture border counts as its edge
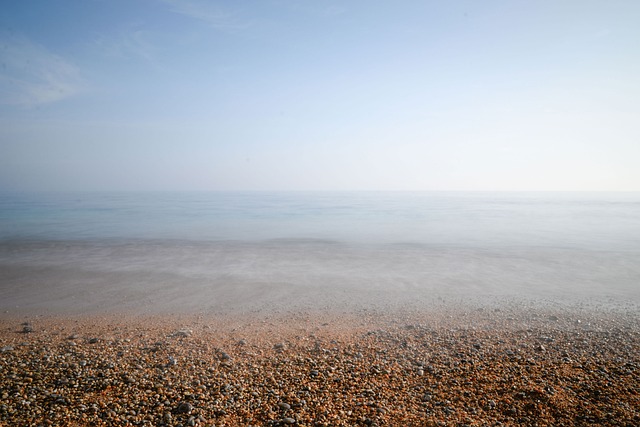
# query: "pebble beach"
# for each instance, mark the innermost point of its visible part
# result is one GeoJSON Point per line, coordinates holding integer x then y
{"type": "Point", "coordinates": [437, 367]}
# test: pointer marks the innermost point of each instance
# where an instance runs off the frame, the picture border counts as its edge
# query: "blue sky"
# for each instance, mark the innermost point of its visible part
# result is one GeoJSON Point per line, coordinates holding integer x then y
{"type": "Point", "coordinates": [320, 95]}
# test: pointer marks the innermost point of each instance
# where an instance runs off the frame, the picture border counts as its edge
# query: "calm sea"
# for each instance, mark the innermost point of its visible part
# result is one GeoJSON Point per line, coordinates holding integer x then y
{"type": "Point", "coordinates": [532, 244]}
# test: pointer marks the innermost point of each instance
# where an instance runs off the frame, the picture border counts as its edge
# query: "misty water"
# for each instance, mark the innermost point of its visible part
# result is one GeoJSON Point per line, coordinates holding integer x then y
{"type": "Point", "coordinates": [215, 251]}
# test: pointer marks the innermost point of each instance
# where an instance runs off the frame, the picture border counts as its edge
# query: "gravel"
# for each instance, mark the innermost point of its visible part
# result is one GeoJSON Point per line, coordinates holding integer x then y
{"type": "Point", "coordinates": [355, 369]}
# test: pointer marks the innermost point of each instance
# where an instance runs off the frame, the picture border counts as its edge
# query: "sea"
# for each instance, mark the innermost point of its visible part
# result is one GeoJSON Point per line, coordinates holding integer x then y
{"type": "Point", "coordinates": [217, 251]}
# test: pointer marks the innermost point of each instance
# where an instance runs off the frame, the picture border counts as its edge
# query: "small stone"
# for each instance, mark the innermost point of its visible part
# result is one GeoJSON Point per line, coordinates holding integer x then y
{"type": "Point", "coordinates": [183, 333]}
{"type": "Point", "coordinates": [6, 348]}
{"type": "Point", "coordinates": [185, 408]}
{"type": "Point", "coordinates": [288, 420]}
{"type": "Point", "coordinates": [284, 406]}
{"type": "Point", "coordinates": [93, 340]}
{"type": "Point", "coordinates": [27, 329]}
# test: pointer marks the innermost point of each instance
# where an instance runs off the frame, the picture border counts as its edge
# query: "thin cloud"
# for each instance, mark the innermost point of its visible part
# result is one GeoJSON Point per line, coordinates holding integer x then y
{"type": "Point", "coordinates": [209, 13]}
{"type": "Point", "coordinates": [129, 43]}
{"type": "Point", "coordinates": [31, 75]}
{"type": "Point", "coordinates": [318, 9]}
{"type": "Point", "coordinates": [335, 10]}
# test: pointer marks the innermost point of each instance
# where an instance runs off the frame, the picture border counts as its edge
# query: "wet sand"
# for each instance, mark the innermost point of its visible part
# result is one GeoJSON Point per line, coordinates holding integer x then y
{"type": "Point", "coordinates": [445, 365]}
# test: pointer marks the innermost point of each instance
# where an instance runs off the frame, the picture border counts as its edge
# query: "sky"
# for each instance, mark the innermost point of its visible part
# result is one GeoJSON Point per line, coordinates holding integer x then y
{"type": "Point", "coordinates": [495, 95]}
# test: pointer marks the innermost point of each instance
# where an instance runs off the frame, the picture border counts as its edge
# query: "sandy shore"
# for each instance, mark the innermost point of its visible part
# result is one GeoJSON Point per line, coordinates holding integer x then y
{"type": "Point", "coordinates": [441, 367]}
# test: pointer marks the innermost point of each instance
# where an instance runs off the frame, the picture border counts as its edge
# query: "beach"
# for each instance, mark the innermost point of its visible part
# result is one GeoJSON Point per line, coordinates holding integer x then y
{"type": "Point", "coordinates": [319, 213]}
{"type": "Point", "coordinates": [331, 309]}
{"type": "Point", "coordinates": [443, 365]}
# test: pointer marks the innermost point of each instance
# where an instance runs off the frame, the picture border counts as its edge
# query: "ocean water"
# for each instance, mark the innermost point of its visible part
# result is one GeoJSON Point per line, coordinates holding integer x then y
{"type": "Point", "coordinates": [215, 250]}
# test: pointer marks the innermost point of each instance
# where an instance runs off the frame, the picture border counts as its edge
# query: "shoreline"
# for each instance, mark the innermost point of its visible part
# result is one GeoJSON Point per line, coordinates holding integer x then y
{"type": "Point", "coordinates": [448, 366]}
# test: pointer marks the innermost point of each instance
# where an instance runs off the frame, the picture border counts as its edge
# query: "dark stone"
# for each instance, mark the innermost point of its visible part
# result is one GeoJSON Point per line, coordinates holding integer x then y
{"type": "Point", "coordinates": [184, 408]}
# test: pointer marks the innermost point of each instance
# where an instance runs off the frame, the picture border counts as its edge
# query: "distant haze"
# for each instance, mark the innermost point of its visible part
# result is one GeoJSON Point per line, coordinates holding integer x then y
{"type": "Point", "coordinates": [320, 95]}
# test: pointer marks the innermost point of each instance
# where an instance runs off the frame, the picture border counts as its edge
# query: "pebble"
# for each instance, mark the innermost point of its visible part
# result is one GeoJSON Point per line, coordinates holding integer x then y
{"type": "Point", "coordinates": [396, 376]}
{"type": "Point", "coordinates": [185, 408]}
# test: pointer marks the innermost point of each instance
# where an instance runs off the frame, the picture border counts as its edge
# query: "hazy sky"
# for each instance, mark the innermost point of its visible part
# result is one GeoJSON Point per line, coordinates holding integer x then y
{"type": "Point", "coordinates": [320, 95]}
